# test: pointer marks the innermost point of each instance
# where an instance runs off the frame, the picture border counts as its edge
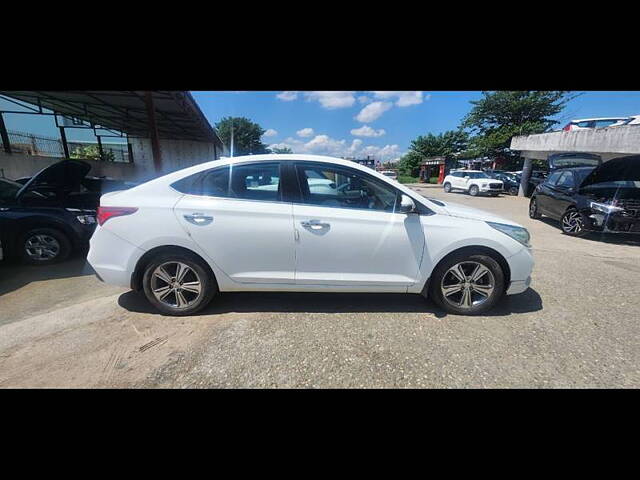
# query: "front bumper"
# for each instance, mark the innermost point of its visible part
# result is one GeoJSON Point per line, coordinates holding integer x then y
{"type": "Point", "coordinates": [521, 266]}
{"type": "Point", "coordinates": [612, 223]}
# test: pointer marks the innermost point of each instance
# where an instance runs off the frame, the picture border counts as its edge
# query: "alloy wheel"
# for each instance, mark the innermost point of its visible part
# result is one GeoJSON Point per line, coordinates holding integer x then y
{"type": "Point", "coordinates": [572, 222]}
{"type": "Point", "coordinates": [42, 247]}
{"type": "Point", "coordinates": [176, 284]}
{"type": "Point", "coordinates": [467, 284]}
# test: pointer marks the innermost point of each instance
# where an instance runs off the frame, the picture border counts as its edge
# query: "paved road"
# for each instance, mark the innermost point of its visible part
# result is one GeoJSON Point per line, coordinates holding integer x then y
{"type": "Point", "coordinates": [577, 327]}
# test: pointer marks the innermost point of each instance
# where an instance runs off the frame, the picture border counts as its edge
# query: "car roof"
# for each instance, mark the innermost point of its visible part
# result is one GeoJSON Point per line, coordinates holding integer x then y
{"type": "Point", "coordinates": [598, 118]}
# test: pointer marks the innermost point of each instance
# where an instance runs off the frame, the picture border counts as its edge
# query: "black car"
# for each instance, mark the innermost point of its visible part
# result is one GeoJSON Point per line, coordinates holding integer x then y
{"type": "Point", "coordinates": [604, 198]}
{"type": "Point", "coordinates": [510, 181]}
{"type": "Point", "coordinates": [42, 221]}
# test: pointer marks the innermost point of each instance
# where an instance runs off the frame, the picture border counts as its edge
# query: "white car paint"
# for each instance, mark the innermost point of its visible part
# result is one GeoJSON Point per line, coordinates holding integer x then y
{"type": "Point", "coordinates": [465, 182]}
{"type": "Point", "coordinates": [255, 245]}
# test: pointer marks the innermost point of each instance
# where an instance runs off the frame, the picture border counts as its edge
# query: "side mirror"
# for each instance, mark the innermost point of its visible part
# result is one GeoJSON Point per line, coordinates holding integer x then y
{"type": "Point", "coordinates": [407, 205]}
{"type": "Point", "coordinates": [466, 177]}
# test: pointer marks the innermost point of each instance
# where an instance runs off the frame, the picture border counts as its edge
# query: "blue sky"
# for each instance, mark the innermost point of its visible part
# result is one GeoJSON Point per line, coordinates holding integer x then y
{"type": "Point", "coordinates": [351, 123]}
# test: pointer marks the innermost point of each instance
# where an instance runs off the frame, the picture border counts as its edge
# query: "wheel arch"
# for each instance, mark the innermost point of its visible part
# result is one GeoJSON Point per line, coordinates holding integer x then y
{"type": "Point", "coordinates": [147, 257]}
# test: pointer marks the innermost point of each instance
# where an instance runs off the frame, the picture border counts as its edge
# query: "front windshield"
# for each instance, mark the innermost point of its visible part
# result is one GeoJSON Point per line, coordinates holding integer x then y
{"type": "Point", "coordinates": [477, 175]}
{"type": "Point", "coordinates": [8, 190]}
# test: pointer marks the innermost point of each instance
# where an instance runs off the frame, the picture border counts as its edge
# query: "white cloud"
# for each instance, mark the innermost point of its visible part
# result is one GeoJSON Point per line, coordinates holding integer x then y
{"type": "Point", "coordinates": [367, 131]}
{"type": "Point", "coordinates": [364, 99]}
{"type": "Point", "coordinates": [287, 96]}
{"type": "Point", "coordinates": [331, 100]}
{"type": "Point", "coordinates": [305, 132]}
{"type": "Point", "coordinates": [325, 145]}
{"type": "Point", "coordinates": [402, 99]}
{"type": "Point", "coordinates": [373, 111]}
{"type": "Point", "coordinates": [270, 133]}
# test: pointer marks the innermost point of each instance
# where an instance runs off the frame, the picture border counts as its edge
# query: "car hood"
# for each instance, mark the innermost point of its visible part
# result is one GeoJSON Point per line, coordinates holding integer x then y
{"type": "Point", "coordinates": [462, 211]}
{"type": "Point", "coordinates": [66, 174]}
{"type": "Point", "coordinates": [618, 169]}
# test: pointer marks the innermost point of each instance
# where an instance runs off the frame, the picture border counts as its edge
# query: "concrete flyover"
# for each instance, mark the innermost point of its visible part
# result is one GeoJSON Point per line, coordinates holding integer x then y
{"type": "Point", "coordinates": [608, 143]}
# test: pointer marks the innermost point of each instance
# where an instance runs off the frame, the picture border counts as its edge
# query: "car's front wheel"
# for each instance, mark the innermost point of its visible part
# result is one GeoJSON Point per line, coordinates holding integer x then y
{"type": "Point", "coordinates": [178, 284]}
{"type": "Point", "coordinates": [572, 223]}
{"type": "Point", "coordinates": [447, 187]}
{"type": "Point", "coordinates": [513, 191]}
{"type": "Point", "coordinates": [467, 283]}
{"type": "Point", "coordinates": [473, 190]}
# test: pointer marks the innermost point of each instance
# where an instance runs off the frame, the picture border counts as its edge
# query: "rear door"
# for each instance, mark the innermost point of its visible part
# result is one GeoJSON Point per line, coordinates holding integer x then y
{"type": "Point", "coordinates": [237, 215]}
{"type": "Point", "coordinates": [353, 235]}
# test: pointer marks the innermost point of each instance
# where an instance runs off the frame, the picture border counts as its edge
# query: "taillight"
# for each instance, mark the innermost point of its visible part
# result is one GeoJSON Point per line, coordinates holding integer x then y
{"type": "Point", "coordinates": [105, 213]}
{"type": "Point", "coordinates": [567, 127]}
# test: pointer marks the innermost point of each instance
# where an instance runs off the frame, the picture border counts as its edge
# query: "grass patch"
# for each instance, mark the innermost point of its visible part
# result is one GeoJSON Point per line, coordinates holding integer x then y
{"type": "Point", "coordinates": [408, 179]}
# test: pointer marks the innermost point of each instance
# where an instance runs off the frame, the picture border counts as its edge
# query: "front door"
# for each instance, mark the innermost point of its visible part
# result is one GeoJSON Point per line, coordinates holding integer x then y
{"type": "Point", "coordinates": [349, 233]}
{"type": "Point", "coordinates": [237, 216]}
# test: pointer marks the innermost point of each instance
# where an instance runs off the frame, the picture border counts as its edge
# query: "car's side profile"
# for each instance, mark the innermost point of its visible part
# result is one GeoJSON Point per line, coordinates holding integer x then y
{"type": "Point", "coordinates": [301, 223]}
{"type": "Point", "coordinates": [474, 182]}
{"type": "Point", "coordinates": [603, 198]}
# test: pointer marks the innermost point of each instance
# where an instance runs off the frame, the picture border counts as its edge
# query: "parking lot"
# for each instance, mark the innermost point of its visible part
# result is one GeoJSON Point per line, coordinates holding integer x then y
{"type": "Point", "coordinates": [576, 327]}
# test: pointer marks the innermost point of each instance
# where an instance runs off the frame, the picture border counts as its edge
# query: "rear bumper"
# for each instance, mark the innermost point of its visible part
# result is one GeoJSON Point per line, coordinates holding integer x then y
{"type": "Point", "coordinates": [113, 258]}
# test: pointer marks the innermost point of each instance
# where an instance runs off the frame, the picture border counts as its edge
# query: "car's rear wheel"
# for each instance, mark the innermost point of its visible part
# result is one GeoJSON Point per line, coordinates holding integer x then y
{"type": "Point", "coordinates": [467, 283]}
{"type": "Point", "coordinates": [513, 191]}
{"type": "Point", "coordinates": [533, 209]}
{"type": "Point", "coordinates": [43, 246]}
{"type": "Point", "coordinates": [447, 187]}
{"type": "Point", "coordinates": [572, 223]}
{"type": "Point", "coordinates": [473, 190]}
{"type": "Point", "coordinates": [178, 284]}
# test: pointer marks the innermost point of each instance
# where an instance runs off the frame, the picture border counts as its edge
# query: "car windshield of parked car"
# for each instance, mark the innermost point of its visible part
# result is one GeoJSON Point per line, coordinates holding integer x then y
{"type": "Point", "coordinates": [9, 190]}
{"type": "Point", "coordinates": [476, 175]}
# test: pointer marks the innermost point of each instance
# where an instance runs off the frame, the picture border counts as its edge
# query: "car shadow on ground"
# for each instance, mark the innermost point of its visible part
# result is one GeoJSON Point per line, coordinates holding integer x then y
{"type": "Point", "coordinates": [277, 302]}
{"type": "Point", "coordinates": [632, 239]}
{"type": "Point", "coordinates": [14, 275]}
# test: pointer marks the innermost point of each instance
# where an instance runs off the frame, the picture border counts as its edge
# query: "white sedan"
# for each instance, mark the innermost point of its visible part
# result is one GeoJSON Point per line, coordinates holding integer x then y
{"type": "Point", "coordinates": [302, 223]}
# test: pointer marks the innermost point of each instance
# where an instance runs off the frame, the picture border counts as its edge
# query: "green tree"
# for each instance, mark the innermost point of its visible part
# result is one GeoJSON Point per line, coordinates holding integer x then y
{"type": "Point", "coordinates": [499, 116]}
{"type": "Point", "coordinates": [281, 150]}
{"type": "Point", "coordinates": [449, 144]}
{"type": "Point", "coordinates": [91, 152]}
{"type": "Point", "coordinates": [246, 135]}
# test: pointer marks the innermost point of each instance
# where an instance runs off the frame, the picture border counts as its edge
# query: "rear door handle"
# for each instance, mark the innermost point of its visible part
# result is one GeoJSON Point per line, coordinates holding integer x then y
{"type": "Point", "coordinates": [198, 219]}
{"type": "Point", "coordinates": [315, 224]}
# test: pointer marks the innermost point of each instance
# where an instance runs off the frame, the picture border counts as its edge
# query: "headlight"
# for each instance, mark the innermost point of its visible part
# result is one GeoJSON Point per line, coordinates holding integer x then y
{"type": "Point", "coordinates": [517, 233]}
{"type": "Point", "coordinates": [86, 219]}
{"type": "Point", "coordinates": [604, 208]}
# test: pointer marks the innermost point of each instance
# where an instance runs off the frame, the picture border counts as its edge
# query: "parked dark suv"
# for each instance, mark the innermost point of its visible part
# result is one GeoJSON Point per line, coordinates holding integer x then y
{"type": "Point", "coordinates": [603, 198]}
{"type": "Point", "coordinates": [42, 221]}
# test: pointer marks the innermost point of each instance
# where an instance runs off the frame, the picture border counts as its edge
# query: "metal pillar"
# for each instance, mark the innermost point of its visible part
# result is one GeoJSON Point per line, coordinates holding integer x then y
{"type": "Point", "coordinates": [153, 131]}
{"type": "Point", "coordinates": [65, 147]}
{"type": "Point", "coordinates": [4, 135]}
{"type": "Point", "coordinates": [526, 175]}
{"type": "Point", "coordinates": [100, 151]}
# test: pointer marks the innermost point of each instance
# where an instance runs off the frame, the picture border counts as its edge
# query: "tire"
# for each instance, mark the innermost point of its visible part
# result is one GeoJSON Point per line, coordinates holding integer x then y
{"type": "Point", "coordinates": [572, 223]}
{"type": "Point", "coordinates": [468, 300]}
{"type": "Point", "coordinates": [43, 246]}
{"type": "Point", "coordinates": [513, 191]}
{"type": "Point", "coordinates": [533, 209]}
{"type": "Point", "coordinates": [473, 190]}
{"type": "Point", "coordinates": [166, 265]}
{"type": "Point", "coordinates": [447, 187]}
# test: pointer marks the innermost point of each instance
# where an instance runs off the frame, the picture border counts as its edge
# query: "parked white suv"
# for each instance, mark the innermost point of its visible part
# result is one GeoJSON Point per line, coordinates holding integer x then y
{"type": "Point", "coordinates": [473, 182]}
{"type": "Point", "coordinates": [267, 223]}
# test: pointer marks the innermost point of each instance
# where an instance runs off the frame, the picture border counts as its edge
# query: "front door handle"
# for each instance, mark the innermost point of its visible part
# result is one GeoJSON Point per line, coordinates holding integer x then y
{"type": "Point", "coordinates": [315, 224]}
{"type": "Point", "coordinates": [199, 219]}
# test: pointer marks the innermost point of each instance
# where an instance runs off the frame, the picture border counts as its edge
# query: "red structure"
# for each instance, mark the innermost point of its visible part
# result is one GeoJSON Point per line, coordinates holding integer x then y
{"type": "Point", "coordinates": [432, 167]}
